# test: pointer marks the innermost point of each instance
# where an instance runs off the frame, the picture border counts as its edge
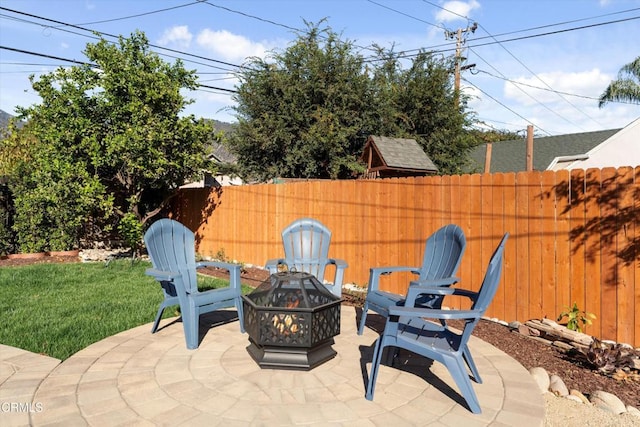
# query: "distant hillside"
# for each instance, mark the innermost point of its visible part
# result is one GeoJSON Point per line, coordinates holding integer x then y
{"type": "Point", "coordinates": [4, 119]}
{"type": "Point", "coordinates": [218, 126]}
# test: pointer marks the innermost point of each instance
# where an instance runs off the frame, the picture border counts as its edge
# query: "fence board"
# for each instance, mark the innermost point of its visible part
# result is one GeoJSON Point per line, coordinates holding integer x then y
{"type": "Point", "coordinates": [577, 222]}
{"type": "Point", "coordinates": [563, 242]}
{"type": "Point", "coordinates": [625, 282]}
{"type": "Point", "coordinates": [609, 210]}
{"type": "Point", "coordinates": [574, 236]}
{"type": "Point", "coordinates": [522, 244]}
{"type": "Point", "coordinates": [497, 308]}
{"type": "Point", "coordinates": [465, 223]}
{"type": "Point", "coordinates": [535, 244]}
{"type": "Point", "coordinates": [591, 239]}
{"type": "Point", "coordinates": [549, 235]}
{"type": "Point", "coordinates": [474, 246]}
{"type": "Point", "coordinates": [510, 254]}
{"type": "Point", "coordinates": [486, 220]}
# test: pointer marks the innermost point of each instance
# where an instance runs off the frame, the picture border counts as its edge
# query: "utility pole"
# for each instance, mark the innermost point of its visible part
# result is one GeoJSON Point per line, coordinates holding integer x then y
{"type": "Point", "coordinates": [459, 42]}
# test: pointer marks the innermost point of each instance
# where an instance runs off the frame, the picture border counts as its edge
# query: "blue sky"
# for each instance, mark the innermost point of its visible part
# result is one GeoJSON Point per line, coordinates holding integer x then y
{"type": "Point", "coordinates": [571, 49]}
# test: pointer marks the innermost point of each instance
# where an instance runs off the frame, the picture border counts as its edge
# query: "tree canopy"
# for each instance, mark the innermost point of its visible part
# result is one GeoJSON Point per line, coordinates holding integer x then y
{"type": "Point", "coordinates": [306, 112]}
{"type": "Point", "coordinates": [107, 140]}
{"type": "Point", "coordinates": [626, 87]}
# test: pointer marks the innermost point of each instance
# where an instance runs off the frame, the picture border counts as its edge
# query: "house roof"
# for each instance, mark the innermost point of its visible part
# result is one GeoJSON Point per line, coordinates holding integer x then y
{"type": "Point", "coordinates": [510, 156]}
{"type": "Point", "coordinates": [400, 153]}
{"type": "Point", "coordinates": [221, 154]}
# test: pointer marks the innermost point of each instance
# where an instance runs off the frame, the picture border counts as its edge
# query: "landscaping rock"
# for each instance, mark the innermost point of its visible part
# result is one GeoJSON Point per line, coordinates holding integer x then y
{"type": "Point", "coordinates": [541, 377]}
{"type": "Point", "coordinates": [557, 386]}
{"type": "Point", "coordinates": [514, 325]}
{"type": "Point", "coordinates": [608, 402]}
{"type": "Point", "coordinates": [580, 396]}
{"type": "Point", "coordinates": [574, 398]}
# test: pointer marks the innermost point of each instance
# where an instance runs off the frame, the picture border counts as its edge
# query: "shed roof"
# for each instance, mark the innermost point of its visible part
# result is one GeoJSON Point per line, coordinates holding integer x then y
{"type": "Point", "coordinates": [401, 153]}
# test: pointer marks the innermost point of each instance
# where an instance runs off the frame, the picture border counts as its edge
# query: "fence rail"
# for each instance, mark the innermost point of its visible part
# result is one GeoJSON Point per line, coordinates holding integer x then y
{"type": "Point", "coordinates": [575, 236]}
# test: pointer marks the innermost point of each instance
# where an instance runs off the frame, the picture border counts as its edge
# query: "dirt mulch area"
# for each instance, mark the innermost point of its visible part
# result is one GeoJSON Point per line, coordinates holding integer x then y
{"type": "Point", "coordinates": [528, 352]}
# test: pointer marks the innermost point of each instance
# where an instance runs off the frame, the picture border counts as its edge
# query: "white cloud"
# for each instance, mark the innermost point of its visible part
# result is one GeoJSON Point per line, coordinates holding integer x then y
{"type": "Point", "coordinates": [459, 9]}
{"type": "Point", "coordinates": [230, 47]}
{"type": "Point", "coordinates": [178, 36]}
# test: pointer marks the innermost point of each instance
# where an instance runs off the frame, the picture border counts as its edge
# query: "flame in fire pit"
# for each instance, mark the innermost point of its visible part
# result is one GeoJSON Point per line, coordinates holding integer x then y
{"type": "Point", "coordinates": [287, 324]}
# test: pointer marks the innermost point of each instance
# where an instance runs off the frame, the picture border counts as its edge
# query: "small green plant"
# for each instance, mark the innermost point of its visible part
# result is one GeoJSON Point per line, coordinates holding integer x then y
{"type": "Point", "coordinates": [221, 255]}
{"type": "Point", "coordinates": [576, 318]}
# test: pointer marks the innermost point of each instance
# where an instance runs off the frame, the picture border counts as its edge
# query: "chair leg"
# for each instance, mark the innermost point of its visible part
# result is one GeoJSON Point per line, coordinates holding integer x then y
{"type": "Point", "coordinates": [240, 311]}
{"type": "Point", "coordinates": [363, 318]}
{"type": "Point", "coordinates": [458, 371]}
{"type": "Point", "coordinates": [156, 322]}
{"type": "Point", "coordinates": [466, 354]}
{"type": "Point", "coordinates": [191, 326]}
{"type": "Point", "coordinates": [375, 366]}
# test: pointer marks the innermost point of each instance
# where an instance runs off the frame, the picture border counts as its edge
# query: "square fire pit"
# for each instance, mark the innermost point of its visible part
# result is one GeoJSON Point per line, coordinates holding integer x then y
{"type": "Point", "coordinates": [291, 319]}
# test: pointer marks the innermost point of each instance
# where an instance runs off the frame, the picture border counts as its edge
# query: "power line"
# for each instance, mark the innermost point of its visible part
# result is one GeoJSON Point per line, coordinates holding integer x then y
{"type": "Point", "coordinates": [27, 52]}
{"type": "Point", "coordinates": [407, 15]}
{"type": "Point", "coordinates": [43, 55]}
{"type": "Point", "coordinates": [528, 94]}
{"type": "Point", "coordinates": [498, 102]}
{"type": "Point", "coordinates": [116, 37]}
{"type": "Point", "coordinates": [140, 14]}
{"type": "Point", "coordinates": [522, 64]}
{"type": "Point", "coordinates": [550, 90]}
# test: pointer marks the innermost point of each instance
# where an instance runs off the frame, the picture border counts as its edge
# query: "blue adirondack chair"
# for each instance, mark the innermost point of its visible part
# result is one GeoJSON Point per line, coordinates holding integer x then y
{"type": "Point", "coordinates": [171, 247]}
{"type": "Point", "coordinates": [306, 249]}
{"type": "Point", "coordinates": [441, 259]}
{"type": "Point", "coordinates": [407, 327]}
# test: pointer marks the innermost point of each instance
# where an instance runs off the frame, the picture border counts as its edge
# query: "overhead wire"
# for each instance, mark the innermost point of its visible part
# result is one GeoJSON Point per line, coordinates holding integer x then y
{"type": "Point", "coordinates": [228, 64]}
{"type": "Point", "coordinates": [515, 82]}
{"type": "Point", "coordinates": [522, 64]}
{"type": "Point", "coordinates": [508, 108]}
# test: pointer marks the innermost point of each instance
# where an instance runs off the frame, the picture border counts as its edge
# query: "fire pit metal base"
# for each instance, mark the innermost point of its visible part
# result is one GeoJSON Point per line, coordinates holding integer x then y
{"type": "Point", "coordinates": [291, 358]}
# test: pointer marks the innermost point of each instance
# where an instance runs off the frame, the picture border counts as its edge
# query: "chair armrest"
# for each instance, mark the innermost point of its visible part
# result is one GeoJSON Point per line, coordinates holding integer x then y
{"type": "Point", "coordinates": [234, 270]}
{"type": "Point", "coordinates": [376, 272]}
{"type": "Point", "coordinates": [218, 264]}
{"type": "Point", "coordinates": [272, 264]}
{"type": "Point", "coordinates": [415, 290]}
{"type": "Point", "coordinates": [405, 311]}
{"type": "Point", "coordinates": [161, 275]}
{"type": "Point", "coordinates": [339, 263]}
{"type": "Point", "coordinates": [446, 281]}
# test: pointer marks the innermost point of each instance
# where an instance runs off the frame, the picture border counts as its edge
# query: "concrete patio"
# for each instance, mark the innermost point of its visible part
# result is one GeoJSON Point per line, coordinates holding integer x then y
{"type": "Point", "coordinates": [136, 378]}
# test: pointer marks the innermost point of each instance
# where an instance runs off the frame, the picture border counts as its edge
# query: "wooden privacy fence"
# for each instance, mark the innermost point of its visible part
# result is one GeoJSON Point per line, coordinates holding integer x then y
{"type": "Point", "coordinates": [575, 236]}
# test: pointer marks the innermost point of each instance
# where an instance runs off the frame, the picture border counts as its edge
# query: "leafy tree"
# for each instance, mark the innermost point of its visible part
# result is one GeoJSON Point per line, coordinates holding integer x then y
{"type": "Point", "coordinates": [626, 87]}
{"type": "Point", "coordinates": [435, 112]}
{"type": "Point", "coordinates": [299, 112]}
{"type": "Point", "coordinates": [306, 112]}
{"type": "Point", "coordinates": [108, 139]}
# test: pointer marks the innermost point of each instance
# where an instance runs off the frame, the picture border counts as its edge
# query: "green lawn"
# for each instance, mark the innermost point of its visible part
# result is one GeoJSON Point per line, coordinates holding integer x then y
{"type": "Point", "coordinates": [59, 309]}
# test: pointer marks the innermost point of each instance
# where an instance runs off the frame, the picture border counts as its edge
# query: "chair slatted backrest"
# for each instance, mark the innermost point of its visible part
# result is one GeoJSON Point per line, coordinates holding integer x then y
{"type": "Point", "coordinates": [306, 246]}
{"type": "Point", "coordinates": [443, 253]}
{"type": "Point", "coordinates": [488, 288]}
{"type": "Point", "coordinates": [171, 247]}
{"type": "Point", "coordinates": [491, 278]}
